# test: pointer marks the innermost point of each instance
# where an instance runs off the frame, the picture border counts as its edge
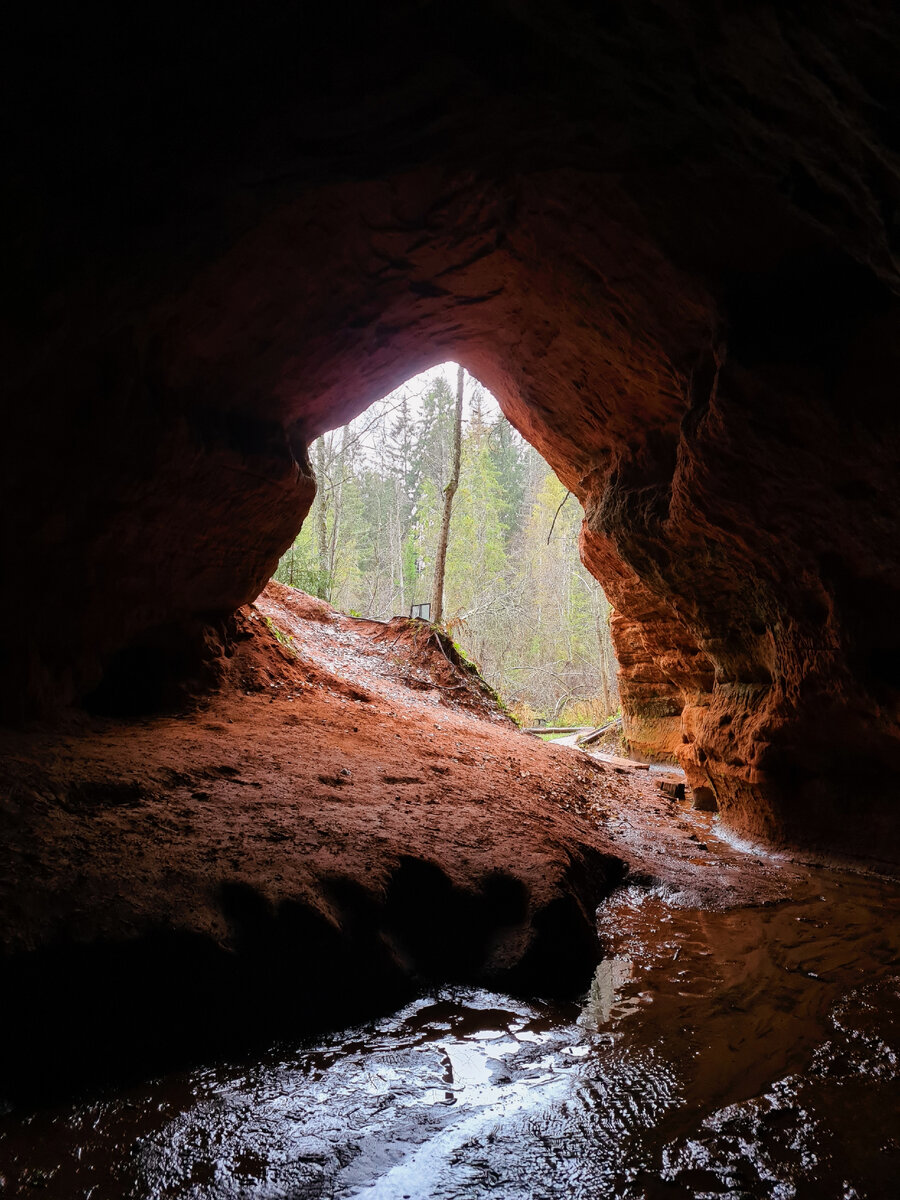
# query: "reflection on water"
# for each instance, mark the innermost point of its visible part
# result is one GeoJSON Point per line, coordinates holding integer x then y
{"type": "Point", "coordinates": [605, 992]}
{"type": "Point", "coordinates": [752, 1052]}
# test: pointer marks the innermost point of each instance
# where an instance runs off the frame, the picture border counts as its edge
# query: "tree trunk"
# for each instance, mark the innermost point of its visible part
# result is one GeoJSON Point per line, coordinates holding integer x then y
{"type": "Point", "coordinates": [440, 560]}
{"type": "Point", "coordinates": [324, 589]}
{"type": "Point", "coordinates": [337, 497]}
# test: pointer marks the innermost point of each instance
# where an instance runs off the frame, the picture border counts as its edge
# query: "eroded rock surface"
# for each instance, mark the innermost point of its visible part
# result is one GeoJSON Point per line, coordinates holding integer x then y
{"type": "Point", "coordinates": [316, 843]}
{"type": "Point", "coordinates": [345, 822]}
{"type": "Point", "coordinates": [664, 235]}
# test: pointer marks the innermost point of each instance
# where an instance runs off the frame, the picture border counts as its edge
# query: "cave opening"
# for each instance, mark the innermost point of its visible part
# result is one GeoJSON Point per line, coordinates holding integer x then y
{"type": "Point", "coordinates": [516, 598]}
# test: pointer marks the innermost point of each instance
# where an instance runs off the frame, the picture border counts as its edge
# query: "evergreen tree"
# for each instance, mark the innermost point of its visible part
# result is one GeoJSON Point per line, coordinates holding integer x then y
{"type": "Point", "coordinates": [524, 607]}
{"type": "Point", "coordinates": [510, 453]}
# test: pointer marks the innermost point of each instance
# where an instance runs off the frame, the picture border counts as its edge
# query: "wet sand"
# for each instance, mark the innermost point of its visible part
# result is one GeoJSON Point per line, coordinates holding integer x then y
{"type": "Point", "coordinates": [749, 1051]}
{"type": "Point", "coordinates": [740, 1036]}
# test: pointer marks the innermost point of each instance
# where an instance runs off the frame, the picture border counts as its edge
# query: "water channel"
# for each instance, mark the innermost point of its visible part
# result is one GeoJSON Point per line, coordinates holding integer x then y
{"type": "Point", "coordinates": [752, 1052]}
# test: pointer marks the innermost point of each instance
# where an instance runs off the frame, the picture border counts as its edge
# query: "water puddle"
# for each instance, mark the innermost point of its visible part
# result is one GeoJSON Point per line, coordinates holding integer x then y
{"type": "Point", "coordinates": [750, 1052]}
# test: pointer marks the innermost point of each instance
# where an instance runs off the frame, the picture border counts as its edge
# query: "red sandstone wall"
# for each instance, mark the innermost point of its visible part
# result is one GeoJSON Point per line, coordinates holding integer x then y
{"type": "Point", "coordinates": [664, 238]}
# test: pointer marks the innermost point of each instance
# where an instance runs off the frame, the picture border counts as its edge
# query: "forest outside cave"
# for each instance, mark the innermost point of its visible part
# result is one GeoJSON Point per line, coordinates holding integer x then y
{"type": "Point", "coordinates": [518, 601]}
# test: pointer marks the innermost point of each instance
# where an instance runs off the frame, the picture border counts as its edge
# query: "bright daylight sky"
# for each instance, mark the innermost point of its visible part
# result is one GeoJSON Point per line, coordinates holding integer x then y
{"type": "Point", "coordinates": [413, 391]}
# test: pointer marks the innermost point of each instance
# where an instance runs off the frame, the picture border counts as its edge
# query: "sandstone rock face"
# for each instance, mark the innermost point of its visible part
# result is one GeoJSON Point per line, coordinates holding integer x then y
{"type": "Point", "coordinates": [664, 235]}
{"type": "Point", "coordinates": [348, 819]}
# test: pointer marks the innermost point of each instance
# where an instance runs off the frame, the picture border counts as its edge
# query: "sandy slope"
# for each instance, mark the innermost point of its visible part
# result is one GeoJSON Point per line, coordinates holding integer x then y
{"type": "Point", "coordinates": [349, 814]}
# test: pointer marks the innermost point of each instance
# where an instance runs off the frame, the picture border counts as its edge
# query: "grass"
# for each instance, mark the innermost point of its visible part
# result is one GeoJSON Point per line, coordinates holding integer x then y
{"type": "Point", "coordinates": [285, 638]}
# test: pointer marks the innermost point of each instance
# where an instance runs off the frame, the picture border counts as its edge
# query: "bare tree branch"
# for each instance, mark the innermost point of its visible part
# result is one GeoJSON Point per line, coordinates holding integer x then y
{"type": "Point", "coordinates": [558, 511]}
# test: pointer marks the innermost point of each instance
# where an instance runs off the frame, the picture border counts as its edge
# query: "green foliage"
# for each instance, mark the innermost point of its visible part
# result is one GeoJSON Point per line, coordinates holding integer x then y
{"type": "Point", "coordinates": [523, 608]}
{"type": "Point", "coordinates": [279, 633]}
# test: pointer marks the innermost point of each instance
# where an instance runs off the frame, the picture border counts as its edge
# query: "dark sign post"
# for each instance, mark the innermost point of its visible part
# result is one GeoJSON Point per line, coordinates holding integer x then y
{"type": "Point", "coordinates": [423, 611]}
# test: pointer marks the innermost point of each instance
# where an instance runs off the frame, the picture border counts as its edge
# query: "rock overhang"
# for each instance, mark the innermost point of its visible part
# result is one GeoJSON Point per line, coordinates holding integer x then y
{"type": "Point", "coordinates": [662, 238]}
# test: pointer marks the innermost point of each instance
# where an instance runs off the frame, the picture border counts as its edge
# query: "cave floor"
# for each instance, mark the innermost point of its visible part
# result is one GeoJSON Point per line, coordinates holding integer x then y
{"type": "Point", "coordinates": [733, 1041]}
{"type": "Point", "coordinates": [305, 769]}
{"type": "Point", "coordinates": [108, 822]}
{"type": "Point", "coordinates": [334, 833]}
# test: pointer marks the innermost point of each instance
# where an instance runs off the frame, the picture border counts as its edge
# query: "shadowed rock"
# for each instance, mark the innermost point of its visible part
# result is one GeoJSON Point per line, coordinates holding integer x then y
{"type": "Point", "coordinates": [665, 238]}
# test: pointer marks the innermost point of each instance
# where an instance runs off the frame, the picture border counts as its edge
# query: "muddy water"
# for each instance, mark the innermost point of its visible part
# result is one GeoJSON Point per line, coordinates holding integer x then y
{"type": "Point", "coordinates": [753, 1052]}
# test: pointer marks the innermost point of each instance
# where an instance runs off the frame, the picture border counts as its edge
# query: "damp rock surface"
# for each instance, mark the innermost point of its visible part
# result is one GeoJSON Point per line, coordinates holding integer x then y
{"type": "Point", "coordinates": [750, 1052]}
{"type": "Point", "coordinates": [351, 816]}
{"type": "Point", "coordinates": [251, 899]}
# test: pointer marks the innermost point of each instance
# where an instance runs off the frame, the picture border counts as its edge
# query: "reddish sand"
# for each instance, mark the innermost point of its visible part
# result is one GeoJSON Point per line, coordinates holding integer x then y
{"type": "Point", "coordinates": [349, 814]}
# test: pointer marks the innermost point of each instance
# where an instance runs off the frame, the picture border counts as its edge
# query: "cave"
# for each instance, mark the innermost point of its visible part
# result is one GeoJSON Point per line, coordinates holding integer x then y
{"type": "Point", "coordinates": [668, 255]}
{"type": "Point", "coordinates": [663, 235]}
{"type": "Point", "coordinates": [688, 311]}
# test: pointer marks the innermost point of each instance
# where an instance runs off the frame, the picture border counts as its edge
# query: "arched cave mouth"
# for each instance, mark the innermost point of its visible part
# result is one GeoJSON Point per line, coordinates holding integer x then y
{"type": "Point", "coordinates": [691, 316]}
{"type": "Point", "coordinates": [512, 550]}
{"type": "Point", "coordinates": [697, 684]}
{"type": "Point", "coordinates": [515, 598]}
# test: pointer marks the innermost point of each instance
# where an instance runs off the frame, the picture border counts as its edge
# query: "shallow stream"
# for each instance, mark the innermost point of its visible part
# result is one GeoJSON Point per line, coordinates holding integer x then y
{"type": "Point", "coordinates": [753, 1052]}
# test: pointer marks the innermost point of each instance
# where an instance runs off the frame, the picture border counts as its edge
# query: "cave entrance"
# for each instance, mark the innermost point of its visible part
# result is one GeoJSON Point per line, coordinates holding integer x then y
{"type": "Point", "coordinates": [516, 598]}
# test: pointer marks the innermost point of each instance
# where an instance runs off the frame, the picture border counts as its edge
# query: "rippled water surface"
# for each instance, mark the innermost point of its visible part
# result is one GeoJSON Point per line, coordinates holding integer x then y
{"type": "Point", "coordinates": [752, 1052]}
